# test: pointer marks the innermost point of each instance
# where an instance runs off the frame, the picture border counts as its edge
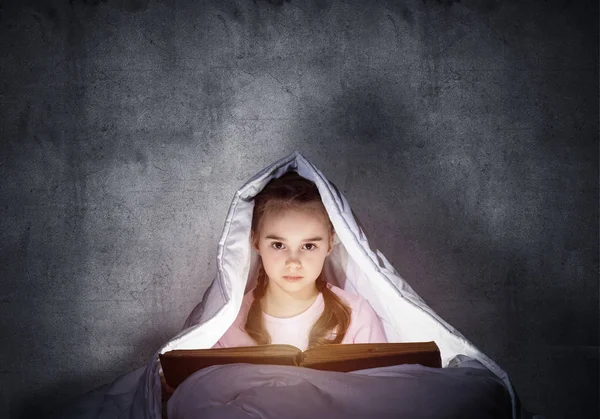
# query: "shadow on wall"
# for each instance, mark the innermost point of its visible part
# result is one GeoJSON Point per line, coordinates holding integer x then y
{"type": "Point", "coordinates": [394, 172]}
{"type": "Point", "coordinates": [42, 403]}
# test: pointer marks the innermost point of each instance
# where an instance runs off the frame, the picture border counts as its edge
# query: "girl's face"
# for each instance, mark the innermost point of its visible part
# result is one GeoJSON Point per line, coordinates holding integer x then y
{"type": "Point", "coordinates": [293, 246]}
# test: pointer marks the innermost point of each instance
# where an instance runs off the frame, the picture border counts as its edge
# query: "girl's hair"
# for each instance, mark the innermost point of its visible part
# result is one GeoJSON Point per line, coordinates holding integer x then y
{"type": "Point", "coordinates": [286, 192]}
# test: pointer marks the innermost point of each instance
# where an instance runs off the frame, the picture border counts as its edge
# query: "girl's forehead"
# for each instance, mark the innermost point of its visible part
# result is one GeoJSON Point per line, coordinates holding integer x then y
{"type": "Point", "coordinates": [309, 217]}
{"type": "Point", "coordinates": [307, 211]}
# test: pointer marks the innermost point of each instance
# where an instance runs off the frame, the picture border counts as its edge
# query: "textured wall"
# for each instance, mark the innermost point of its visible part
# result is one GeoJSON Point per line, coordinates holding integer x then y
{"type": "Point", "coordinates": [464, 135]}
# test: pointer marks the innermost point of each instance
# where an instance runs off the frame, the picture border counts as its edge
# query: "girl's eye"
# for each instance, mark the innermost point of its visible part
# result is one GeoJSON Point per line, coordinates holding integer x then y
{"type": "Point", "coordinates": [275, 245]}
{"type": "Point", "coordinates": [311, 244]}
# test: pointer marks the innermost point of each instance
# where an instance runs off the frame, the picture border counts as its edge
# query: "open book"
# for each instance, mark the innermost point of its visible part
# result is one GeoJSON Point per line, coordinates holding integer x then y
{"type": "Point", "coordinates": [178, 364]}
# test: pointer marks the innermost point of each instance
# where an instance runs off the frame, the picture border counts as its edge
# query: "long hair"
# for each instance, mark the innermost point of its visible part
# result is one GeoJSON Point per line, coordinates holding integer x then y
{"type": "Point", "coordinates": [293, 191]}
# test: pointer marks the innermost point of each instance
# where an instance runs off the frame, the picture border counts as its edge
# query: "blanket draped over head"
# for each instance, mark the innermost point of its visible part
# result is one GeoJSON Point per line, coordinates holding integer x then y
{"type": "Point", "coordinates": [353, 265]}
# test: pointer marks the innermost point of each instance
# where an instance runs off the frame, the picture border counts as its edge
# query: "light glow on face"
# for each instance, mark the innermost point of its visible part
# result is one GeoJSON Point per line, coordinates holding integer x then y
{"type": "Point", "coordinates": [294, 243]}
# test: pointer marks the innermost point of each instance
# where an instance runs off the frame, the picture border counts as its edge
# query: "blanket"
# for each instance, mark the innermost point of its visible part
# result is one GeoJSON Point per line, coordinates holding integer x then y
{"type": "Point", "coordinates": [354, 265]}
{"type": "Point", "coordinates": [244, 391]}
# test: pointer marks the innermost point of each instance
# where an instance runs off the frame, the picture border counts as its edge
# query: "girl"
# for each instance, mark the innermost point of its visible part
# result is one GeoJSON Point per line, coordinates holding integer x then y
{"type": "Point", "coordinates": [292, 302]}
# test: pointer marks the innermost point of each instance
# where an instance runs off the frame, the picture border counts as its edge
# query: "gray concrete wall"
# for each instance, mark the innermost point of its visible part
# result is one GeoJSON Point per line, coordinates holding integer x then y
{"type": "Point", "coordinates": [464, 135]}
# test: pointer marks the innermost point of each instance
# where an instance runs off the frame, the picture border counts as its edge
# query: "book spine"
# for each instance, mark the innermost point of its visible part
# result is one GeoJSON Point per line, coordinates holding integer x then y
{"type": "Point", "coordinates": [298, 359]}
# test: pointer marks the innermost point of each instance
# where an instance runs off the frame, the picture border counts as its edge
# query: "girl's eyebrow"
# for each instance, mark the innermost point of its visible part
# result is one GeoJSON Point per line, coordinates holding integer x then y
{"type": "Point", "coordinates": [313, 239]}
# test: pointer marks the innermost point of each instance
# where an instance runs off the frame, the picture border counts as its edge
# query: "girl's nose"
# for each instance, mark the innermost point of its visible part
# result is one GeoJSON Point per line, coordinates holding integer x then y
{"type": "Point", "coordinates": [293, 263]}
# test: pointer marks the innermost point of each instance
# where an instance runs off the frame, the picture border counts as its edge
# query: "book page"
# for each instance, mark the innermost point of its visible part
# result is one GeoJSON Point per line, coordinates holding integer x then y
{"type": "Point", "coordinates": [365, 350]}
{"type": "Point", "coordinates": [234, 351]}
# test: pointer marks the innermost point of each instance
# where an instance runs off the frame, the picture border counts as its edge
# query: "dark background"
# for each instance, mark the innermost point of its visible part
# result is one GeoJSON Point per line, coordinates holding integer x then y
{"type": "Point", "coordinates": [463, 134]}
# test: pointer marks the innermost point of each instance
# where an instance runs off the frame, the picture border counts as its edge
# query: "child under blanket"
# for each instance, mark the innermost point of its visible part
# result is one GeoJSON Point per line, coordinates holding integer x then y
{"type": "Point", "coordinates": [293, 303]}
{"type": "Point", "coordinates": [368, 284]}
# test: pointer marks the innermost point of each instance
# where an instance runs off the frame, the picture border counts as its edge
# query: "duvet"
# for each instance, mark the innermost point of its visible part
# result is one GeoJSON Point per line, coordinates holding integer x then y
{"type": "Point", "coordinates": [471, 385]}
{"type": "Point", "coordinates": [243, 391]}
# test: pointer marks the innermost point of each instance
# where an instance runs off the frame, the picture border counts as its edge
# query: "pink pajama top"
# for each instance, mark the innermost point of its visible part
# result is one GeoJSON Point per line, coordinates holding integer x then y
{"type": "Point", "coordinates": [365, 326]}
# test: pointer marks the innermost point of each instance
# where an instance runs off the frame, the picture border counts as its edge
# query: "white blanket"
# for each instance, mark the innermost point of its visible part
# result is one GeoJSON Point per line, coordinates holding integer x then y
{"type": "Point", "coordinates": [354, 265]}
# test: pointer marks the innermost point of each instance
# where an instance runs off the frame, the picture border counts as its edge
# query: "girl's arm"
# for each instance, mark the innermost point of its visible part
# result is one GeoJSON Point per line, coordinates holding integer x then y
{"type": "Point", "coordinates": [368, 328]}
{"type": "Point", "coordinates": [233, 337]}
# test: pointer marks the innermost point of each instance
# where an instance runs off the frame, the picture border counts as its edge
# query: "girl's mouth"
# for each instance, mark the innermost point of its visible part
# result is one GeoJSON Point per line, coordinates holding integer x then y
{"type": "Point", "coordinates": [292, 278]}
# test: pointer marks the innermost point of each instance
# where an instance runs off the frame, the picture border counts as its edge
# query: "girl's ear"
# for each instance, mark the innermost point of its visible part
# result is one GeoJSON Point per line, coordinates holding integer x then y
{"type": "Point", "coordinates": [331, 241]}
{"type": "Point", "coordinates": [254, 243]}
